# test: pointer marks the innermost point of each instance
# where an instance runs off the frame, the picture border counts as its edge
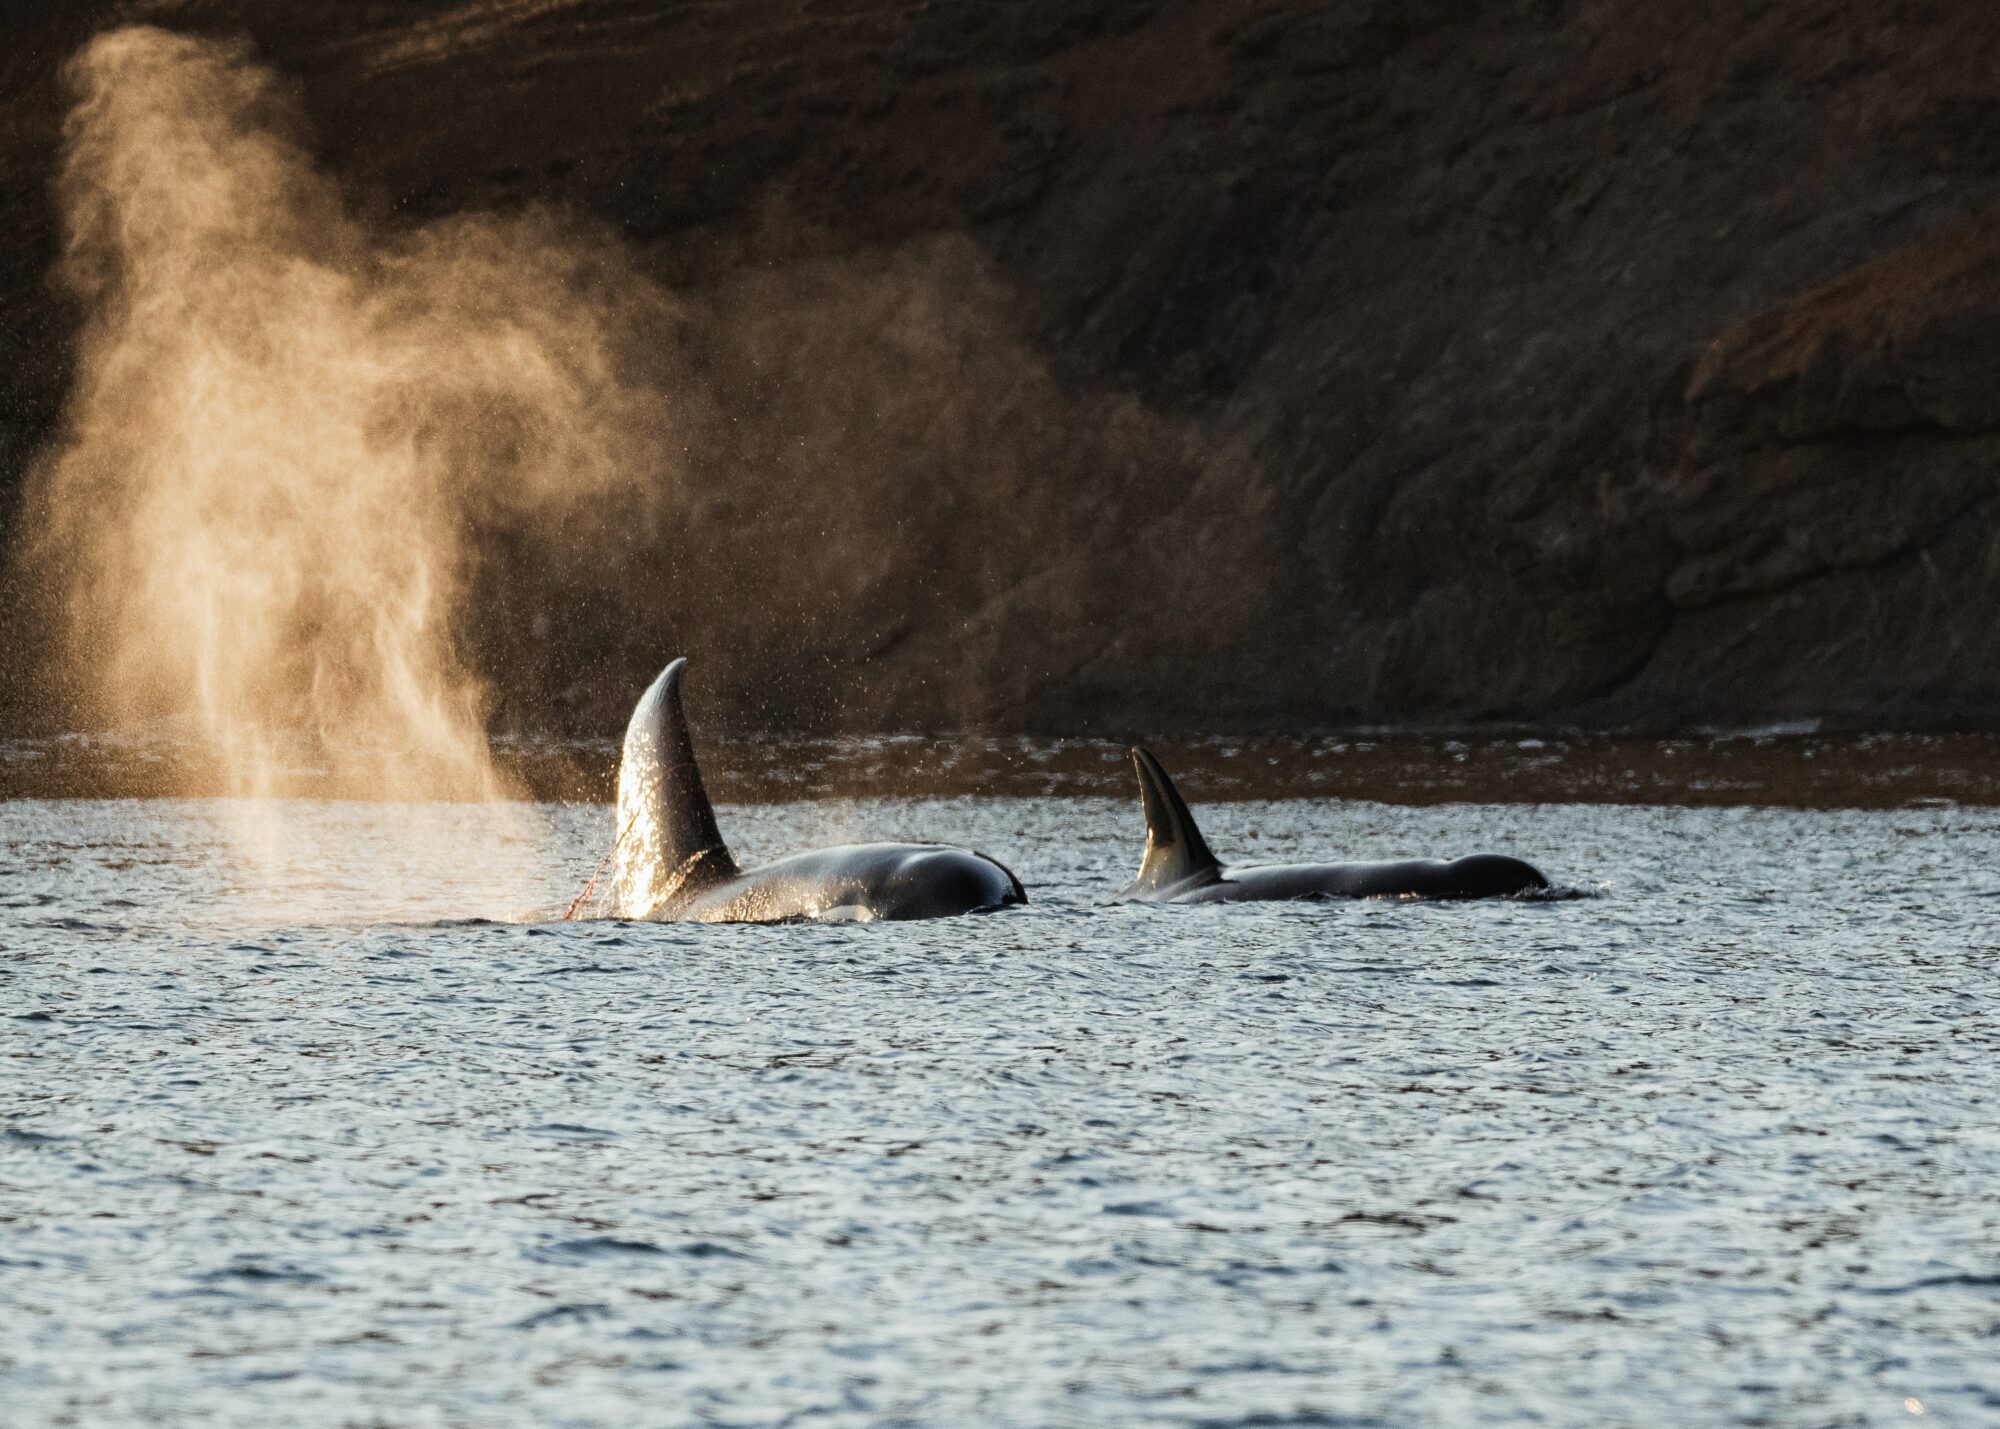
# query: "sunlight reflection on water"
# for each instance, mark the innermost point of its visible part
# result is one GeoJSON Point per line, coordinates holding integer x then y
{"type": "Point", "coordinates": [322, 1149]}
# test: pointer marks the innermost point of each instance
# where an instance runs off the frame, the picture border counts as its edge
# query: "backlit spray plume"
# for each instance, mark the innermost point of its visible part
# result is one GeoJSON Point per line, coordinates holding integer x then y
{"type": "Point", "coordinates": [286, 426]}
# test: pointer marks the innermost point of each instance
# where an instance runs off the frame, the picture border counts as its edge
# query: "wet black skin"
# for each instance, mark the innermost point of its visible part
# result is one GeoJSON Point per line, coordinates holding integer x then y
{"type": "Point", "coordinates": [672, 865]}
{"type": "Point", "coordinates": [1178, 867]}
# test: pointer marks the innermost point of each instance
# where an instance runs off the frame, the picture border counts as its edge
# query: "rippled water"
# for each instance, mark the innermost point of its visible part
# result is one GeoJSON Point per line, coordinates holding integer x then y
{"type": "Point", "coordinates": [295, 1142]}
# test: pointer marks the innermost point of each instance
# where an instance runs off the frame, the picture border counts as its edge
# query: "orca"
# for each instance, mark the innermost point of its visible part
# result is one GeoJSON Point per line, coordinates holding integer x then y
{"type": "Point", "coordinates": [671, 864]}
{"type": "Point", "coordinates": [1178, 867]}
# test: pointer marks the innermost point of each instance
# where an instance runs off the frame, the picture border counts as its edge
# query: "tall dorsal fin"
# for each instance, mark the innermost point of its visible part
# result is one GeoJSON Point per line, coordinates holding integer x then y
{"type": "Point", "coordinates": [1175, 849]}
{"type": "Point", "coordinates": [668, 845]}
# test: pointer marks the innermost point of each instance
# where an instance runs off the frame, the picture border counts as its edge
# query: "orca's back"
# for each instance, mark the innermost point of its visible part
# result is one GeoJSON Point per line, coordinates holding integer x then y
{"type": "Point", "coordinates": [886, 882]}
{"type": "Point", "coordinates": [1483, 875]}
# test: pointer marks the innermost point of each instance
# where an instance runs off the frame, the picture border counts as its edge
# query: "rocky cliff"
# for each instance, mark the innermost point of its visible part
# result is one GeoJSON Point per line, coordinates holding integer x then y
{"type": "Point", "coordinates": [1100, 365]}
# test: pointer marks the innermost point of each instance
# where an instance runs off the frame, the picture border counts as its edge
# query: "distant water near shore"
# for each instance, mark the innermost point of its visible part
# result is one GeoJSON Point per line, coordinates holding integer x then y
{"type": "Point", "coordinates": [1790, 766]}
{"type": "Point", "coordinates": [300, 1141]}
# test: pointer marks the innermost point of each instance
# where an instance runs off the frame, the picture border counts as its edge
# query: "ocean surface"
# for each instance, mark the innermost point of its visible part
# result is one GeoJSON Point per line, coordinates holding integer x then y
{"type": "Point", "coordinates": [315, 1116]}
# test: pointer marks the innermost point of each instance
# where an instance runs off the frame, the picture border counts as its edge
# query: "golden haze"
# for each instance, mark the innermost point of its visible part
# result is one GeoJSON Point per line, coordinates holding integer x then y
{"type": "Point", "coordinates": [289, 422]}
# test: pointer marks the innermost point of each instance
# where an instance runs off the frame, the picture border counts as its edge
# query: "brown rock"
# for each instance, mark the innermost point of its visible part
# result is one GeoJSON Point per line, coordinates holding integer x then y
{"type": "Point", "coordinates": [1081, 365]}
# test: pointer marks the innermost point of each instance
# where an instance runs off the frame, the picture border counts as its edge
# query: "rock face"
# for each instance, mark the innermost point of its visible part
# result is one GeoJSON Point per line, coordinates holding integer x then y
{"type": "Point", "coordinates": [1099, 365]}
{"type": "Point", "coordinates": [1837, 482]}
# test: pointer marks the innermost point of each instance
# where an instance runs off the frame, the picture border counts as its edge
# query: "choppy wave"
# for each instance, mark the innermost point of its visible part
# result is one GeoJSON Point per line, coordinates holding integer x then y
{"type": "Point", "coordinates": [1712, 1145]}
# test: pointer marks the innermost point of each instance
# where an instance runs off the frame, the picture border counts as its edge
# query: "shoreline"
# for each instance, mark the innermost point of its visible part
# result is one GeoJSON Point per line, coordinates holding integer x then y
{"type": "Point", "coordinates": [1831, 771]}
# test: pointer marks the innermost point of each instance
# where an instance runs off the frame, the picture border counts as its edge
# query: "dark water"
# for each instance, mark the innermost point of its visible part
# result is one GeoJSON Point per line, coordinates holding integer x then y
{"type": "Point", "coordinates": [298, 1144]}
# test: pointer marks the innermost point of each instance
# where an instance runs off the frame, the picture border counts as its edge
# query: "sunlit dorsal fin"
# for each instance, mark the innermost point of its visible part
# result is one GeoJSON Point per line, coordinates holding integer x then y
{"type": "Point", "coordinates": [1175, 850]}
{"type": "Point", "coordinates": [668, 845]}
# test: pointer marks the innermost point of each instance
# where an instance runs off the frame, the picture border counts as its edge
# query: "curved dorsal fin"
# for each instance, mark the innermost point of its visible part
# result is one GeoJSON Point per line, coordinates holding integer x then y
{"type": "Point", "coordinates": [668, 845]}
{"type": "Point", "coordinates": [1175, 849]}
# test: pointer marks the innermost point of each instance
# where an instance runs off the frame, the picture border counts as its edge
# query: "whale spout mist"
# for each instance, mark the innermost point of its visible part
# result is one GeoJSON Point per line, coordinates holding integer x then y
{"type": "Point", "coordinates": [288, 423]}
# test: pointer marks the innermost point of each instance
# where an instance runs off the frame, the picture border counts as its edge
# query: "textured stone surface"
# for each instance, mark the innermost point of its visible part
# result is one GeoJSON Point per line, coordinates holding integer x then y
{"type": "Point", "coordinates": [1080, 365]}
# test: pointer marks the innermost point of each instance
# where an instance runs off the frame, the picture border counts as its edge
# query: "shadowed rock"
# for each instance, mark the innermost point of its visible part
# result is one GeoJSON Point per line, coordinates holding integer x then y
{"type": "Point", "coordinates": [1083, 366]}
